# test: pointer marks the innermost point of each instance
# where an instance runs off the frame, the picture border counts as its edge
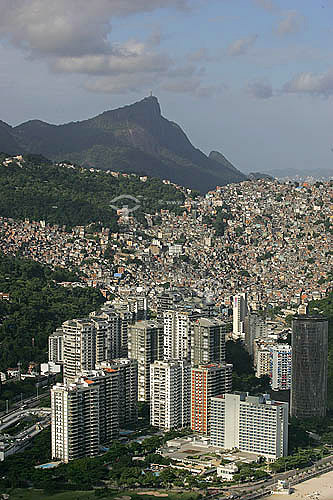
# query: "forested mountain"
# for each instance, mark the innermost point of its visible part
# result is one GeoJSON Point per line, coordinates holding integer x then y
{"type": "Point", "coordinates": [35, 188]}
{"type": "Point", "coordinates": [135, 138]}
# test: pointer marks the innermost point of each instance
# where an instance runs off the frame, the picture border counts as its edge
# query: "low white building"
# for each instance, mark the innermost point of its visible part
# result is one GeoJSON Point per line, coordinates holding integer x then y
{"type": "Point", "coordinates": [227, 471]}
{"type": "Point", "coordinates": [50, 367]}
{"type": "Point", "coordinates": [253, 424]}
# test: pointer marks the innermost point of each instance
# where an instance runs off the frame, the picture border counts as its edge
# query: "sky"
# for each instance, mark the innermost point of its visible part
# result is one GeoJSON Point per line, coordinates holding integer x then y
{"type": "Point", "coordinates": [250, 78]}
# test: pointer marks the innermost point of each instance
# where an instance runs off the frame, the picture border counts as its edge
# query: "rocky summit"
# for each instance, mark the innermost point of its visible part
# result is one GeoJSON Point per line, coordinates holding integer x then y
{"type": "Point", "coordinates": [134, 138]}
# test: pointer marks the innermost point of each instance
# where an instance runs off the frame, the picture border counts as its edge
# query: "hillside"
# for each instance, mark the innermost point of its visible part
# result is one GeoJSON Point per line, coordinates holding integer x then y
{"type": "Point", "coordinates": [135, 138]}
{"type": "Point", "coordinates": [34, 188]}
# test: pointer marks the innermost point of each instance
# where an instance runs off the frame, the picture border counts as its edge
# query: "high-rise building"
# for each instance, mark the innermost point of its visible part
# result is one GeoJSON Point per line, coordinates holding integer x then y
{"type": "Point", "coordinates": [145, 343]}
{"type": "Point", "coordinates": [254, 327]}
{"type": "Point", "coordinates": [250, 423]}
{"type": "Point", "coordinates": [138, 306]}
{"type": "Point", "coordinates": [111, 330]}
{"type": "Point", "coordinates": [208, 341]}
{"type": "Point", "coordinates": [166, 301]}
{"type": "Point", "coordinates": [281, 367]}
{"type": "Point", "coordinates": [56, 346]}
{"type": "Point", "coordinates": [177, 334]}
{"type": "Point", "coordinates": [128, 388]}
{"type": "Point", "coordinates": [240, 311]}
{"type": "Point", "coordinates": [84, 415]}
{"type": "Point", "coordinates": [79, 347]}
{"type": "Point", "coordinates": [170, 394]}
{"type": "Point", "coordinates": [263, 362]}
{"type": "Point", "coordinates": [207, 381]}
{"type": "Point", "coordinates": [309, 342]}
{"type": "Point", "coordinates": [89, 341]}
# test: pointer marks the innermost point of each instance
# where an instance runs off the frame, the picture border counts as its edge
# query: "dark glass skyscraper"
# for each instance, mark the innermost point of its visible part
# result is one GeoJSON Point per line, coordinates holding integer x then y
{"type": "Point", "coordinates": [309, 366]}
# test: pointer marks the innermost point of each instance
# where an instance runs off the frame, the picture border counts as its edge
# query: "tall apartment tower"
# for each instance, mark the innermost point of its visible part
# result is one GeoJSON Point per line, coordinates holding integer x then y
{"type": "Point", "coordinates": [263, 362]}
{"type": "Point", "coordinates": [167, 301]}
{"type": "Point", "coordinates": [145, 343]}
{"type": "Point", "coordinates": [207, 381]}
{"type": "Point", "coordinates": [170, 394]}
{"type": "Point", "coordinates": [240, 311]}
{"type": "Point", "coordinates": [281, 367]}
{"type": "Point", "coordinates": [56, 346]}
{"type": "Point", "coordinates": [109, 326]}
{"type": "Point", "coordinates": [208, 341]}
{"type": "Point", "coordinates": [309, 366]}
{"type": "Point", "coordinates": [254, 327]}
{"type": "Point", "coordinates": [128, 388]}
{"type": "Point", "coordinates": [250, 423]}
{"type": "Point", "coordinates": [177, 334]}
{"type": "Point", "coordinates": [84, 415]}
{"type": "Point", "coordinates": [79, 348]}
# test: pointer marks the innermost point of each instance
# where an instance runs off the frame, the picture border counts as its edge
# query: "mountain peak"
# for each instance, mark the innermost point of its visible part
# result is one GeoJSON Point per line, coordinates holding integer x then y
{"type": "Point", "coordinates": [134, 138]}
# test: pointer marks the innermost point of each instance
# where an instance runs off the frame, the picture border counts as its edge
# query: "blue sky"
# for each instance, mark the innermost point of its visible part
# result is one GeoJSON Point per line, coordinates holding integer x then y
{"type": "Point", "coordinates": [250, 78]}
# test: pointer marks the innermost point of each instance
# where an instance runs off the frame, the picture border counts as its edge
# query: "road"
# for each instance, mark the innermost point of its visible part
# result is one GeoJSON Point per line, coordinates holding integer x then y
{"type": "Point", "coordinates": [263, 488]}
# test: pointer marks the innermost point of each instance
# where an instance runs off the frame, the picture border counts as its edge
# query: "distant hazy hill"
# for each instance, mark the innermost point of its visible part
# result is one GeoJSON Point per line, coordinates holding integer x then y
{"type": "Point", "coordinates": [135, 138]}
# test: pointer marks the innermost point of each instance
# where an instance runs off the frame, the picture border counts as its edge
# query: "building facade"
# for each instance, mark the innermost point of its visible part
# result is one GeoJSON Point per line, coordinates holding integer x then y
{"type": "Point", "coordinates": [177, 334]}
{"type": "Point", "coordinates": [207, 381]}
{"type": "Point", "coordinates": [281, 367]}
{"type": "Point", "coordinates": [79, 348]}
{"type": "Point", "coordinates": [263, 362]}
{"type": "Point", "coordinates": [128, 388]}
{"type": "Point", "coordinates": [146, 345]}
{"type": "Point", "coordinates": [309, 366]}
{"type": "Point", "coordinates": [84, 415]}
{"type": "Point", "coordinates": [254, 327]}
{"type": "Point", "coordinates": [253, 424]}
{"type": "Point", "coordinates": [208, 341]}
{"type": "Point", "coordinates": [240, 311]}
{"type": "Point", "coordinates": [56, 346]}
{"type": "Point", "coordinates": [170, 394]}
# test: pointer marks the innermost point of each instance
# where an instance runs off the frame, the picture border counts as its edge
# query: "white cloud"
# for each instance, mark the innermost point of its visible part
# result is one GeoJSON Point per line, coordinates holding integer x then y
{"type": "Point", "coordinates": [291, 22]}
{"type": "Point", "coordinates": [68, 27]}
{"type": "Point", "coordinates": [73, 36]}
{"type": "Point", "coordinates": [120, 84]}
{"type": "Point", "coordinates": [260, 89]}
{"type": "Point", "coordinates": [241, 46]}
{"type": "Point", "coordinates": [131, 57]}
{"type": "Point", "coordinates": [310, 83]}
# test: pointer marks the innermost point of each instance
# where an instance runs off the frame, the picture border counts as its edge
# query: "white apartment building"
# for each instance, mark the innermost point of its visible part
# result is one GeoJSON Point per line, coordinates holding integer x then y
{"type": "Point", "coordinates": [253, 424]}
{"type": "Point", "coordinates": [276, 362]}
{"type": "Point", "coordinates": [177, 334]}
{"type": "Point", "coordinates": [170, 394]}
{"type": "Point", "coordinates": [56, 346]}
{"type": "Point", "coordinates": [79, 347]}
{"type": "Point", "coordinates": [240, 311]}
{"type": "Point", "coordinates": [84, 415]}
{"type": "Point", "coordinates": [281, 367]}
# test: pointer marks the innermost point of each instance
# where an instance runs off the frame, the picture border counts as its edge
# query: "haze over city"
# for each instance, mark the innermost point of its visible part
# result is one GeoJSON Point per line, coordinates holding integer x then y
{"type": "Point", "coordinates": [250, 78]}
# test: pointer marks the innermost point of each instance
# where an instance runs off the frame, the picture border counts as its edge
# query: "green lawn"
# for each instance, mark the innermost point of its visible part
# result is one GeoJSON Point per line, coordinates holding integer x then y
{"type": "Point", "coordinates": [32, 494]}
